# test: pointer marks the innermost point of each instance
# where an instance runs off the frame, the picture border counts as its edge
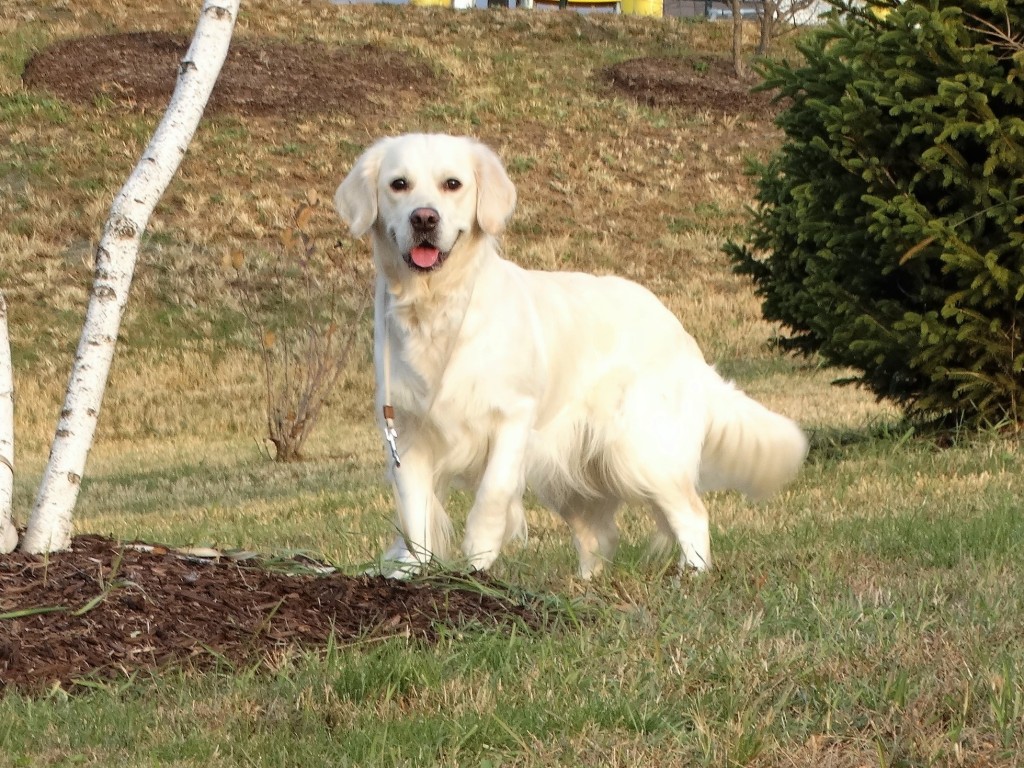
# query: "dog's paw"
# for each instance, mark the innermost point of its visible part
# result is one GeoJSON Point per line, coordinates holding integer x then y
{"type": "Point", "coordinates": [479, 559]}
{"type": "Point", "coordinates": [403, 572]}
{"type": "Point", "coordinates": [590, 568]}
{"type": "Point", "coordinates": [694, 566]}
{"type": "Point", "coordinates": [394, 569]}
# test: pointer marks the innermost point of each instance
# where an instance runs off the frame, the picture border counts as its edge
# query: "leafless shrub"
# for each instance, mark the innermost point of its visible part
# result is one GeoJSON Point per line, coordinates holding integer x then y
{"type": "Point", "coordinates": [305, 306]}
{"type": "Point", "coordinates": [1004, 38]}
{"type": "Point", "coordinates": [776, 18]}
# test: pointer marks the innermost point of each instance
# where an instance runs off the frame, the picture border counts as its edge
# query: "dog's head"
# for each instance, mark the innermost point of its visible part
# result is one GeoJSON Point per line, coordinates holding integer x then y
{"type": "Point", "coordinates": [423, 194]}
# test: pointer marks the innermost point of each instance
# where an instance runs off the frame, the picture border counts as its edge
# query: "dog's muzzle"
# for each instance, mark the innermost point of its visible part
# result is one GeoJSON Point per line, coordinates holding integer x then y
{"type": "Point", "coordinates": [425, 256]}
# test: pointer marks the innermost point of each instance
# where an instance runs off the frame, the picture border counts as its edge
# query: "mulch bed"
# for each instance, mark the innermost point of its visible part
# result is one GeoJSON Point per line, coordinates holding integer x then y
{"type": "Point", "coordinates": [104, 610]}
{"type": "Point", "coordinates": [694, 83]}
{"type": "Point", "coordinates": [260, 78]}
{"type": "Point", "coordinates": [274, 78]}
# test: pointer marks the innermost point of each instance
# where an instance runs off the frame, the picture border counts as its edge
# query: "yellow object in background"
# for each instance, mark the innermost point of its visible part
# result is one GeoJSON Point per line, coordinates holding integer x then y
{"type": "Point", "coordinates": [440, 3]}
{"type": "Point", "coordinates": [643, 7]}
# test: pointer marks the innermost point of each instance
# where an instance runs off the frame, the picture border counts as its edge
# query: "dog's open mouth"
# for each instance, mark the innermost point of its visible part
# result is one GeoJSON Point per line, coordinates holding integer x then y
{"type": "Point", "coordinates": [425, 257]}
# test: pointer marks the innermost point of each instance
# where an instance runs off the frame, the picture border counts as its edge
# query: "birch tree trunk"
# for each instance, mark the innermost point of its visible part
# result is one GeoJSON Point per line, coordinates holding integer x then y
{"type": "Point", "coordinates": [8, 535]}
{"type": "Point", "coordinates": [49, 527]}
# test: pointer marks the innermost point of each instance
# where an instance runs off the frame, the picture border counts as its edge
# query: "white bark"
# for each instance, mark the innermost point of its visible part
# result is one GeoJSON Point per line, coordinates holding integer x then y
{"type": "Point", "coordinates": [8, 535]}
{"type": "Point", "coordinates": [49, 527]}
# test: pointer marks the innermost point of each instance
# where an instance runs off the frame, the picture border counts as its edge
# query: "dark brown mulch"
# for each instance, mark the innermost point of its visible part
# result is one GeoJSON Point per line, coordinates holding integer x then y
{"type": "Point", "coordinates": [695, 83]}
{"type": "Point", "coordinates": [116, 610]}
{"type": "Point", "coordinates": [139, 69]}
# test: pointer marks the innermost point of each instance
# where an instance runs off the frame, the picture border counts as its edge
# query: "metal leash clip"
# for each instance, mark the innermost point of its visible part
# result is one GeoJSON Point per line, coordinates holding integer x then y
{"type": "Point", "coordinates": [391, 434]}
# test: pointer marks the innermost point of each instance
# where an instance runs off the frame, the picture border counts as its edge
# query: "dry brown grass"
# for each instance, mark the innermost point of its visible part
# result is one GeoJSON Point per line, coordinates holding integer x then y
{"type": "Point", "coordinates": [605, 184]}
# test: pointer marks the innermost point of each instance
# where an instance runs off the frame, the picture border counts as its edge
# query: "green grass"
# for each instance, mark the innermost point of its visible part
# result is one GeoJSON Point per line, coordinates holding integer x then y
{"type": "Point", "coordinates": [871, 622]}
{"type": "Point", "coordinates": [17, 44]}
{"type": "Point", "coordinates": [20, 107]}
{"type": "Point", "coordinates": [869, 615]}
{"type": "Point", "coordinates": [781, 649]}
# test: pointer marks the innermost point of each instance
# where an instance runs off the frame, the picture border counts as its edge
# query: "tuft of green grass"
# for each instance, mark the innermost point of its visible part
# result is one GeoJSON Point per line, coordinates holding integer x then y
{"type": "Point", "coordinates": [17, 44]}
{"type": "Point", "coordinates": [22, 107]}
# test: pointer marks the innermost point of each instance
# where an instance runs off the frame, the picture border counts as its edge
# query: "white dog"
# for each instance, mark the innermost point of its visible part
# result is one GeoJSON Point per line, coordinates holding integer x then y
{"type": "Point", "coordinates": [586, 389]}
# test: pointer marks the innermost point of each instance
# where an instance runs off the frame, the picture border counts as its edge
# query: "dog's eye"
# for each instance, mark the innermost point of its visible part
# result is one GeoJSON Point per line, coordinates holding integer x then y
{"type": "Point", "coordinates": [452, 184]}
{"type": "Point", "coordinates": [399, 185]}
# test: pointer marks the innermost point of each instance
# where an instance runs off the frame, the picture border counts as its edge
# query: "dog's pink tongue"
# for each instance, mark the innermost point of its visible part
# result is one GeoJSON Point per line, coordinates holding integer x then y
{"type": "Point", "coordinates": [424, 257]}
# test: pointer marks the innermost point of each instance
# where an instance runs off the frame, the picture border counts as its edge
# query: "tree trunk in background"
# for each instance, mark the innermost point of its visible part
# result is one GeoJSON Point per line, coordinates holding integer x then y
{"type": "Point", "coordinates": [8, 535]}
{"type": "Point", "coordinates": [49, 528]}
{"type": "Point", "coordinates": [769, 12]}
{"type": "Point", "coordinates": [737, 41]}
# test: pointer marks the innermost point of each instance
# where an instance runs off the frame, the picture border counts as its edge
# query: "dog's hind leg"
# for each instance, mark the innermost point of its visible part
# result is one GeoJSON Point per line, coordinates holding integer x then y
{"type": "Point", "coordinates": [681, 515]}
{"type": "Point", "coordinates": [594, 531]}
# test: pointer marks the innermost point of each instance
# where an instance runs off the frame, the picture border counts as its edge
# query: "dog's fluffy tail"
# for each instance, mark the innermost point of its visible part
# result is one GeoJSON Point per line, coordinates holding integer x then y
{"type": "Point", "coordinates": [747, 447]}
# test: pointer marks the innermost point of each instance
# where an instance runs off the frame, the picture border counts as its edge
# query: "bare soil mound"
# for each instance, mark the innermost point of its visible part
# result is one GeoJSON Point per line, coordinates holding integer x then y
{"type": "Point", "coordinates": [104, 610]}
{"type": "Point", "coordinates": [139, 70]}
{"type": "Point", "coordinates": [694, 83]}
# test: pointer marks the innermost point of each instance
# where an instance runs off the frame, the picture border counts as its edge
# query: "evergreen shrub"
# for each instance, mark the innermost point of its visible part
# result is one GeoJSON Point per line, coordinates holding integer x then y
{"type": "Point", "coordinates": [888, 234]}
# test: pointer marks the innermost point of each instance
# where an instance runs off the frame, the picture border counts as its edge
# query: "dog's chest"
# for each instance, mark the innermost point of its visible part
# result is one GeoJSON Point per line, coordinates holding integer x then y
{"type": "Point", "coordinates": [436, 369]}
{"type": "Point", "coordinates": [422, 345]}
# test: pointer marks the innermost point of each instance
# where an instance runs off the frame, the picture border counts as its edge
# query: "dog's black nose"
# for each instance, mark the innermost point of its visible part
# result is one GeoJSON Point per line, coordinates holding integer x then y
{"type": "Point", "coordinates": [424, 219]}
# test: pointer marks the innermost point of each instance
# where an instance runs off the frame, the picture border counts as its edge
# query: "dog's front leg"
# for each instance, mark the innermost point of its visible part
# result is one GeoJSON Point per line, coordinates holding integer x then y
{"type": "Point", "coordinates": [501, 487]}
{"type": "Point", "coordinates": [413, 484]}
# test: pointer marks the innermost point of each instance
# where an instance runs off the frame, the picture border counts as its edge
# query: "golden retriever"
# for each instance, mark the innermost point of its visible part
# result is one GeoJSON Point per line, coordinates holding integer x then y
{"type": "Point", "coordinates": [586, 389]}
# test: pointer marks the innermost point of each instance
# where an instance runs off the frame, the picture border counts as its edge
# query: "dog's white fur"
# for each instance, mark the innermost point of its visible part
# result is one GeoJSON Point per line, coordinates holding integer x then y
{"type": "Point", "coordinates": [587, 389]}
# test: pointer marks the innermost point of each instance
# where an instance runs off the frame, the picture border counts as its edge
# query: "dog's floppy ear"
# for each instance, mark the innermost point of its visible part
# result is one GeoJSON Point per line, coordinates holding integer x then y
{"type": "Point", "coordinates": [356, 198]}
{"type": "Point", "coordinates": [496, 194]}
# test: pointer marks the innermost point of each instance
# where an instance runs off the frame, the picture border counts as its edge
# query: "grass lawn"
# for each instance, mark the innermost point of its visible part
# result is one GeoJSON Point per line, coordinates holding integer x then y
{"type": "Point", "coordinates": [869, 615]}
